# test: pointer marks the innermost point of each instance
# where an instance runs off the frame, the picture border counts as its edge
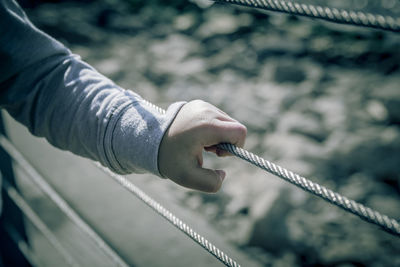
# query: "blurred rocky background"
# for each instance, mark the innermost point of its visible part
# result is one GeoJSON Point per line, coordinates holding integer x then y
{"type": "Point", "coordinates": [320, 99]}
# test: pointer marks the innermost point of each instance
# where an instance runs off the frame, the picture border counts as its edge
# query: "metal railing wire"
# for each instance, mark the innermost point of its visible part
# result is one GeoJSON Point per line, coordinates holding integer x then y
{"type": "Point", "coordinates": [22, 245]}
{"type": "Point", "coordinates": [37, 222]}
{"type": "Point", "coordinates": [388, 224]}
{"type": "Point", "coordinates": [169, 216]}
{"type": "Point", "coordinates": [19, 159]}
{"type": "Point", "coordinates": [343, 16]}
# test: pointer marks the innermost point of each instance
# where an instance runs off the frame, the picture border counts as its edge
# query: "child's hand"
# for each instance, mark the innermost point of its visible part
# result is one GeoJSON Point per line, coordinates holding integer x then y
{"type": "Point", "coordinates": [197, 126]}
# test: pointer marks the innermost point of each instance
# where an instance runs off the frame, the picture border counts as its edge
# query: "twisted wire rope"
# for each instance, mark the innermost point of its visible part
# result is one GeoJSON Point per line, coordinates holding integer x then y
{"type": "Point", "coordinates": [170, 217]}
{"type": "Point", "coordinates": [388, 224]}
{"type": "Point", "coordinates": [37, 179]}
{"type": "Point", "coordinates": [38, 223]}
{"type": "Point", "coordinates": [22, 244]}
{"type": "Point", "coordinates": [343, 16]}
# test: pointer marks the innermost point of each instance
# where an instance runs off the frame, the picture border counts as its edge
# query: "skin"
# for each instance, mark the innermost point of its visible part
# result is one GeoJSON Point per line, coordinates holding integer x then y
{"type": "Point", "coordinates": [198, 126]}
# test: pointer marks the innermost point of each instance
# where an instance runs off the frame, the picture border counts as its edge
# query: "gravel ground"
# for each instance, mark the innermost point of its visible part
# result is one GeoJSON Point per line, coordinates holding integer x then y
{"type": "Point", "coordinates": [321, 99]}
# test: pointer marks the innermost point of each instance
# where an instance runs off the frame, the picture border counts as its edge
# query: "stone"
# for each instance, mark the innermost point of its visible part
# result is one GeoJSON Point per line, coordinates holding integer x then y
{"type": "Point", "coordinates": [306, 125]}
{"type": "Point", "coordinates": [270, 230]}
{"type": "Point", "coordinates": [184, 22]}
{"type": "Point", "coordinates": [377, 110]}
{"type": "Point", "coordinates": [289, 73]}
{"type": "Point", "coordinates": [222, 23]}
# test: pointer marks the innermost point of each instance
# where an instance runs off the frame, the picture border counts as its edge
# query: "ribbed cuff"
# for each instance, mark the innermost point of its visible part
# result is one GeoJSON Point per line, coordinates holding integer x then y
{"type": "Point", "coordinates": [134, 135]}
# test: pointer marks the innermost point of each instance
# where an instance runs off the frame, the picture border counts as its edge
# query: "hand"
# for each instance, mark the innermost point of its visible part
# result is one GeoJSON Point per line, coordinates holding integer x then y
{"type": "Point", "coordinates": [197, 126]}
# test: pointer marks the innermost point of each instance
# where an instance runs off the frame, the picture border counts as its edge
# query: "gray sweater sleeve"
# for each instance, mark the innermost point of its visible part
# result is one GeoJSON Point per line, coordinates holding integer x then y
{"type": "Point", "coordinates": [60, 97]}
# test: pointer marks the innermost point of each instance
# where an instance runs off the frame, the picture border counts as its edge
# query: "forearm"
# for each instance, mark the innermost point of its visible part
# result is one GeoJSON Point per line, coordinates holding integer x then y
{"type": "Point", "coordinates": [79, 110]}
{"type": "Point", "coordinates": [58, 96]}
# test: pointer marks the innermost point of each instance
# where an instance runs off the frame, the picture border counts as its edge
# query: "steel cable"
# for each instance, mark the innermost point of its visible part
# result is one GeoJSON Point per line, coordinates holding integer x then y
{"type": "Point", "coordinates": [342, 16]}
{"type": "Point", "coordinates": [39, 181]}
{"type": "Point", "coordinates": [38, 223]}
{"type": "Point", "coordinates": [388, 224]}
{"type": "Point", "coordinates": [170, 217]}
{"type": "Point", "coordinates": [22, 244]}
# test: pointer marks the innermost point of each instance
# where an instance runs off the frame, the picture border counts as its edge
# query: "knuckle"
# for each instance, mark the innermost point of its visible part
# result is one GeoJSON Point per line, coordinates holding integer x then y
{"type": "Point", "coordinates": [212, 122]}
{"type": "Point", "coordinates": [242, 130]}
{"type": "Point", "coordinates": [204, 108]}
{"type": "Point", "coordinates": [198, 102]}
{"type": "Point", "coordinates": [206, 120]}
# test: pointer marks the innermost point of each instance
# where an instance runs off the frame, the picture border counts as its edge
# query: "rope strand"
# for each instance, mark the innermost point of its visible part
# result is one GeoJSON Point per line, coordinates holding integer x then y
{"type": "Point", "coordinates": [38, 223]}
{"type": "Point", "coordinates": [343, 16]}
{"type": "Point", "coordinates": [170, 217]}
{"type": "Point", "coordinates": [39, 181]}
{"type": "Point", "coordinates": [388, 224]}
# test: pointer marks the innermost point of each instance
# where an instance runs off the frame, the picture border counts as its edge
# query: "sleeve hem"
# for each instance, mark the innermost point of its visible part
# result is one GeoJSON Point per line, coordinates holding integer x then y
{"type": "Point", "coordinates": [133, 134]}
{"type": "Point", "coordinates": [171, 113]}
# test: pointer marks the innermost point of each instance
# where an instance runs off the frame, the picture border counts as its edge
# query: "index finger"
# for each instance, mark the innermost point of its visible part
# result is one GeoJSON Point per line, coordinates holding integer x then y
{"type": "Point", "coordinates": [219, 131]}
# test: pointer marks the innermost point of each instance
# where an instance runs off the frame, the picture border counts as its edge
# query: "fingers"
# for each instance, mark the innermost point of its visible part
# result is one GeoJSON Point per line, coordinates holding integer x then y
{"type": "Point", "coordinates": [223, 132]}
{"type": "Point", "coordinates": [218, 151]}
{"type": "Point", "coordinates": [218, 131]}
{"type": "Point", "coordinates": [197, 126]}
{"type": "Point", "coordinates": [198, 178]}
{"type": "Point", "coordinates": [187, 171]}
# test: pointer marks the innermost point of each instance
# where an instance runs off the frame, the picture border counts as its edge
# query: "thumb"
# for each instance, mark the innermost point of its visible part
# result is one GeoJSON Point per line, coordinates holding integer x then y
{"type": "Point", "coordinates": [206, 180]}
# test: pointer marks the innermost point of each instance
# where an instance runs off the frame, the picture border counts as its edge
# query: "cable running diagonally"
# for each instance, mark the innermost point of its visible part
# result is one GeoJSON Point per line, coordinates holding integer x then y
{"type": "Point", "coordinates": [37, 222]}
{"type": "Point", "coordinates": [169, 216]}
{"type": "Point", "coordinates": [342, 16]}
{"type": "Point", "coordinates": [21, 244]}
{"type": "Point", "coordinates": [36, 178]}
{"type": "Point", "coordinates": [388, 224]}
